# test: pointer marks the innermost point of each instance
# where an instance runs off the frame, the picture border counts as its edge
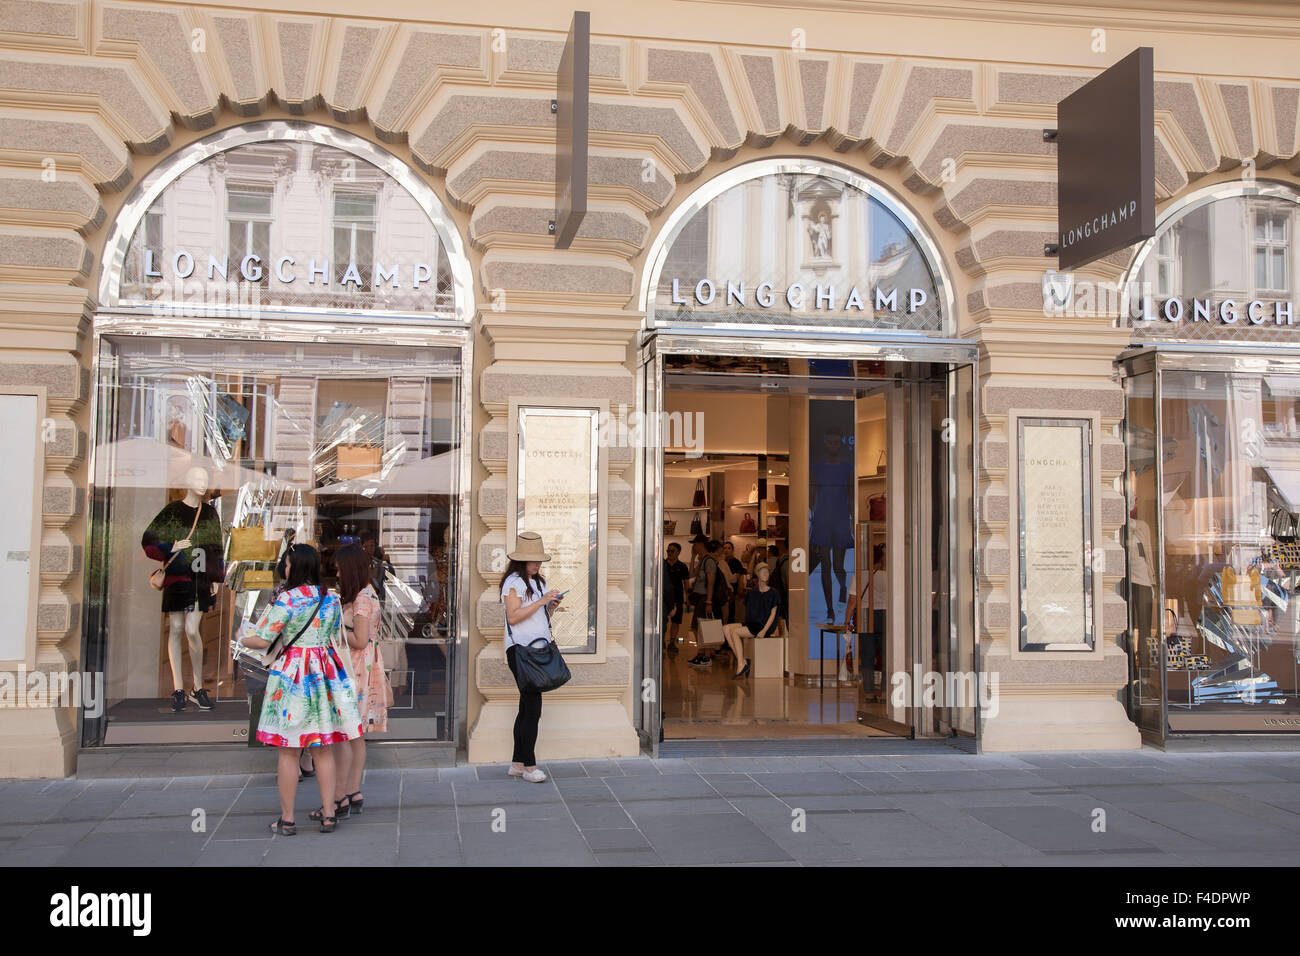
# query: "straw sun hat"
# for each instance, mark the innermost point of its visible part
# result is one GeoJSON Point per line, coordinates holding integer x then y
{"type": "Point", "coordinates": [528, 547]}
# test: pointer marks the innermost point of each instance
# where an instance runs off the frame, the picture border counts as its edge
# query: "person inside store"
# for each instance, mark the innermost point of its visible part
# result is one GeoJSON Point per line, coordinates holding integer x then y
{"type": "Point", "coordinates": [186, 537]}
{"type": "Point", "coordinates": [528, 618]}
{"type": "Point", "coordinates": [380, 568]}
{"type": "Point", "coordinates": [779, 577]}
{"type": "Point", "coordinates": [761, 606]}
{"type": "Point", "coordinates": [716, 593]}
{"type": "Point", "coordinates": [310, 702]}
{"type": "Point", "coordinates": [676, 574]}
{"type": "Point", "coordinates": [704, 574]}
{"type": "Point", "coordinates": [830, 529]}
{"type": "Point", "coordinates": [874, 595]}
{"type": "Point", "coordinates": [736, 569]}
{"type": "Point", "coordinates": [361, 632]}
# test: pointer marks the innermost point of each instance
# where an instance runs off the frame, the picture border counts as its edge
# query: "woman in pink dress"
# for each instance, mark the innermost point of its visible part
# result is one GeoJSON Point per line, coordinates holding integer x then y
{"type": "Point", "coordinates": [361, 631]}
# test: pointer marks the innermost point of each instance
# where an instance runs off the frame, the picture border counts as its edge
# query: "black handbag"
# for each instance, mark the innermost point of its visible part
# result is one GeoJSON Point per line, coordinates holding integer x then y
{"type": "Point", "coordinates": [696, 527]}
{"type": "Point", "coordinates": [256, 665]}
{"type": "Point", "coordinates": [698, 500]}
{"type": "Point", "coordinates": [540, 668]}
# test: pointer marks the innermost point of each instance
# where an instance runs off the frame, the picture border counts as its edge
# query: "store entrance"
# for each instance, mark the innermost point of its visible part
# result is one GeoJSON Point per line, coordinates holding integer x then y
{"type": "Point", "coordinates": [811, 561]}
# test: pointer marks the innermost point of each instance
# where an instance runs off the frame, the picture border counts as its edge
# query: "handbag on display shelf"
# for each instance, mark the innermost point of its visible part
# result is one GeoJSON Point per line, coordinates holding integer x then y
{"type": "Point", "coordinates": [747, 525]}
{"type": "Point", "coordinates": [753, 493]}
{"type": "Point", "coordinates": [255, 580]}
{"type": "Point", "coordinates": [357, 461]}
{"type": "Point", "coordinates": [250, 543]}
{"type": "Point", "coordinates": [698, 500]}
{"type": "Point", "coordinates": [158, 576]}
{"type": "Point", "coordinates": [696, 527]}
{"type": "Point", "coordinates": [670, 526]}
{"type": "Point", "coordinates": [876, 508]}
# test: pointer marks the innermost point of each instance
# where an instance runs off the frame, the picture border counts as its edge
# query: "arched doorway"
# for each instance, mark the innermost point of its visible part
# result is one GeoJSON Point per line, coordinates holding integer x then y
{"type": "Point", "coordinates": [810, 414]}
{"type": "Point", "coordinates": [280, 346]}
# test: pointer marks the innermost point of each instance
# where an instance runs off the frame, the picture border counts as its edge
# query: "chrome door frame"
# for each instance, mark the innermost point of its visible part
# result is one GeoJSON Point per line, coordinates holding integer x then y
{"type": "Point", "coordinates": [648, 541]}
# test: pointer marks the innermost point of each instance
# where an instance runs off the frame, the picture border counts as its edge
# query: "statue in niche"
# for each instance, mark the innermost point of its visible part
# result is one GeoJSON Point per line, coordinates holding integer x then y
{"type": "Point", "coordinates": [820, 233]}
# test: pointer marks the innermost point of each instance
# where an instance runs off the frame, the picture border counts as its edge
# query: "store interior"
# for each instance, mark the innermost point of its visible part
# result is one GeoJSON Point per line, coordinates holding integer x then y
{"type": "Point", "coordinates": [792, 468]}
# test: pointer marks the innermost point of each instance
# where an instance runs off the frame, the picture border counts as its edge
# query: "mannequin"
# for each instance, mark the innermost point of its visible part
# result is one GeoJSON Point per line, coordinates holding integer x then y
{"type": "Point", "coordinates": [194, 573]}
{"type": "Point", "coordinates": [762, 604]}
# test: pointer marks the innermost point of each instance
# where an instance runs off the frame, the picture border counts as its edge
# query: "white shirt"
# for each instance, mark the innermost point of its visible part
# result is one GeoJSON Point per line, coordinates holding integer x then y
{"type": "Point", "coordinates": [880, 590]}
{"type": "Point", "coordinates": [531, 627]}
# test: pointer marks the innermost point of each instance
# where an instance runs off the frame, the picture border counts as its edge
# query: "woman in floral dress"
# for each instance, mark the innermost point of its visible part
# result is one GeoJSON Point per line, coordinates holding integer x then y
{"type": "Point", "coordinates": [309, 702]}
{"type": "Point", "coordinates": [361, 629]}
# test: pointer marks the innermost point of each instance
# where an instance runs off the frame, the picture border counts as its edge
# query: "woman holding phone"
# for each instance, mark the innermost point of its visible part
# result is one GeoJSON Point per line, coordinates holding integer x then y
{"type": "Point", "coordinates": [528, 608]}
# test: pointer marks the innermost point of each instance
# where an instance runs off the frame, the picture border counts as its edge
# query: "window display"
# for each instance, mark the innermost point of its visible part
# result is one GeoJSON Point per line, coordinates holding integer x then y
{"type": "Point", "coordinates": [213, 456]}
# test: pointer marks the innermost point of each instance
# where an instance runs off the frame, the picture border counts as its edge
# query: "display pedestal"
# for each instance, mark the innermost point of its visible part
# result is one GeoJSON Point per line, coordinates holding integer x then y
{"type": "Point", "coordinates": [1030, 718]}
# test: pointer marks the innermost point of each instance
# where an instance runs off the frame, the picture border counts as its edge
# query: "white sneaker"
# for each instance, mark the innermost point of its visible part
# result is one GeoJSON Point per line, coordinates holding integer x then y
{"type": "Point", "coordinates": [515, 772]}
{"type": "Point", "coordinates": [534, 776]}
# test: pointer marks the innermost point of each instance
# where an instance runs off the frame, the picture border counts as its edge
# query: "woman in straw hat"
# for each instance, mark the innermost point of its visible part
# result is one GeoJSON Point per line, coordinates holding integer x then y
{"type": "Point", "coordinates": [528, 607]}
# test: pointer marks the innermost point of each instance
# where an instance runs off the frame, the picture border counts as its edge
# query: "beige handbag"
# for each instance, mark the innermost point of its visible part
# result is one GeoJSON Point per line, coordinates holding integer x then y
{"type": "Point", "coordinates": [251, 544]}
{"type": "Point", "coordinates": [158, 576]}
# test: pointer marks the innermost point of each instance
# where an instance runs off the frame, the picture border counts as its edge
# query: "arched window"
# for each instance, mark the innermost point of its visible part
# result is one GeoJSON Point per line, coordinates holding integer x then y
{"type": "Point", "coordinates": [1222, 266]}
{"type": "Point", "coordinates": [285, 217]}
{"type": "Point", "coordinates": [796, 245]}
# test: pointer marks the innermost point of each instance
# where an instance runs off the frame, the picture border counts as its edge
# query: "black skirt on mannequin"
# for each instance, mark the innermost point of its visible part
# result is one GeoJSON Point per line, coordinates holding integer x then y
{"type": "Point", "coordinates": [184, 588]}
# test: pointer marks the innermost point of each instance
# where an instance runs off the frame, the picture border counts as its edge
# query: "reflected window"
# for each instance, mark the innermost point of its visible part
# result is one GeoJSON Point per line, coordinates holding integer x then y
{"type": "Point", "coordinates": [249, 211]}
{"type": "Point", "coordinates": [354, 239]}
{"type": "Point", "coordinates": [1271, 251]}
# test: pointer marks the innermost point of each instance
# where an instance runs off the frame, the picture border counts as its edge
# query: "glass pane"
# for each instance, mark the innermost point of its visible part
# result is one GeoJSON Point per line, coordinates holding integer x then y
{"type": "Point", "coordinates": [249, 202]}
{"type": "Point", "coordinates": [354, 205]}
{"type": "Point", "coordinates": [276, 442]}
{"type": "Point", "coordinates": [238, 237]}
{"type": "Point", "coordinates": [1232, 565]}
{"type": "Point", "coordinates": [1261, 226]}
{"type": "Point", "coordinates": [1146, 676]}
{"type": "Point", "coordinates": [1279, 280]}
{"type": "Point", "coordinates": [1261, 268]}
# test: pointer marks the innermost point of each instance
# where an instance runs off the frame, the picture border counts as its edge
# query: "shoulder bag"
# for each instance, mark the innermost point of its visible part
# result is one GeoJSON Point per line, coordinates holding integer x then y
{"type": "Point", "coordinates": [255, 665]}
{"type": "Point", "coordinates": [158, 576]}
{"type": "Point", "coordinates": [539, 668]}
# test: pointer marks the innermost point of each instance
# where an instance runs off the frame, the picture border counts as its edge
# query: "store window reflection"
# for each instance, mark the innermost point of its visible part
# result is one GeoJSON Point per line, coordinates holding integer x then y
{"type": "Point", "coordinates": [211, 457]}
{"type": "Point", "coordinates": [1230, 497]}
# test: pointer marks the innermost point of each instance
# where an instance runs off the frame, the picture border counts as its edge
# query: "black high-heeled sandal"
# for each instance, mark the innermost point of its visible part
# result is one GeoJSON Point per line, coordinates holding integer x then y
{"type": "Point", "coordinates": [355, 802]}
{"type": "Point", "coordinates": [328, 825]}
{"type": "Point", "coordinates": [283, 827]}
{"type": "Point", "coordinates": [744, 671]}
{"type": "Point", "coordinates": [339, 811]}
{"type": "Point", "coordinates": [303, 774]}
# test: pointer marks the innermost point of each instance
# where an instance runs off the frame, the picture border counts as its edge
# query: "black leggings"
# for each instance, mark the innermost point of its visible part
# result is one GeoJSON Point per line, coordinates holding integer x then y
{"type": "Point", "coordinates": [530, 712]}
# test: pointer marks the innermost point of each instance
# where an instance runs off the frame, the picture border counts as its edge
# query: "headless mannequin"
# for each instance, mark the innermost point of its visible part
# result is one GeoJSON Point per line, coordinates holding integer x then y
{"type": "Point", "coordinates": [187, 622]}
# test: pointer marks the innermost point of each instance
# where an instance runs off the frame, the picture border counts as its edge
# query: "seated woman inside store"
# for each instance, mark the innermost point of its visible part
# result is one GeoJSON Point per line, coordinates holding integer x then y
{"type": "Point", "coordinates": [761, 604]}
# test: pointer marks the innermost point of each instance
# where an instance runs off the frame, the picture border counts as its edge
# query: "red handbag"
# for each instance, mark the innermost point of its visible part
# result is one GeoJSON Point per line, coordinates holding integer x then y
{"type": "Point", "coordinates": [876, 508]}
{"type": "Point", "coordinates": [747, 525]}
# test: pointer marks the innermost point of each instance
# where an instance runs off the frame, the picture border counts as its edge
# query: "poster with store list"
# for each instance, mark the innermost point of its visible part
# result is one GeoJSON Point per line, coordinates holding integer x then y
{"type": "Point", "coordinates": [558, 500]}
{"type": "Point", "coordinates": [1055, 584]}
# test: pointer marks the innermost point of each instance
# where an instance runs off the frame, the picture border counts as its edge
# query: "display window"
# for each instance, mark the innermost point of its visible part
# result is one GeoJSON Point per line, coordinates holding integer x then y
{"type": "Point", "coordinates": [1212, 537]}
{"type": "Point", "coordinates": [211, 458]}
{"type": "Point", "coordinates": [278, 361]}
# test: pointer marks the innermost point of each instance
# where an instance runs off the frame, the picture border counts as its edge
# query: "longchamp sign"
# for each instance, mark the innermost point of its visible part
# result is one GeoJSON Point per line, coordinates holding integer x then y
{"type": "Point", "coordinates": [1106, 162]}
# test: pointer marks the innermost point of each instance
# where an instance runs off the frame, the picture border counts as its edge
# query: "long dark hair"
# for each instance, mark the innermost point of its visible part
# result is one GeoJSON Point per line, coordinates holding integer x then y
{"type": "Point", "coordinates": [354, 572]}
{"type": "Point", "coordinates": [521, 568]}
{"type": "Point", "coordinates": [304, 566]}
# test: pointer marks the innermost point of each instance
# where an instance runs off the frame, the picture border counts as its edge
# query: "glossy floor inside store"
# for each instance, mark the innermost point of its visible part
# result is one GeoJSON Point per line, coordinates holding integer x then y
{"type": "Point", "coordinates": [704, 702]}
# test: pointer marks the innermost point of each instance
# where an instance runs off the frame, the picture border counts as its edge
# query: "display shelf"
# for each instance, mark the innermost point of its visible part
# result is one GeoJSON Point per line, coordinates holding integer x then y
{"type": "Point", "coordinates": [700, 508]}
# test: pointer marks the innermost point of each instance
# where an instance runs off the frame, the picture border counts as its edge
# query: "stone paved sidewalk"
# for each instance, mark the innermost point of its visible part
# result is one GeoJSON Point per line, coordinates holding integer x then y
{"type": "Point", "coordinates": [1026, 810]}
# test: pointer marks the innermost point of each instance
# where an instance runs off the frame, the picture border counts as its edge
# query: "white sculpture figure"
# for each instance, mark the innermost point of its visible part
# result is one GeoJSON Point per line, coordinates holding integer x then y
{"type": "Point", "coordinates": [820, 232]}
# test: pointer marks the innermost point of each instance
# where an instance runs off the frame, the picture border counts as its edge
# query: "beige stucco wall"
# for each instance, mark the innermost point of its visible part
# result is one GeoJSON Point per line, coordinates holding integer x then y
{"type": "Point", "coordinates": [943, 104]}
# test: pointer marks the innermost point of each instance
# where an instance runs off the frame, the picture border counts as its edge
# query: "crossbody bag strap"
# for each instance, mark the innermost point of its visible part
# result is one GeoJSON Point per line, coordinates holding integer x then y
{"type": "Point", "coordinates": [197, 515]}
{"type": "Point", "coordinates": [305, 625]}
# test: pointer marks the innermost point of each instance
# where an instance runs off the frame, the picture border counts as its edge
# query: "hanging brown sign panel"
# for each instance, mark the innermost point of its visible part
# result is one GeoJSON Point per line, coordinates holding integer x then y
{"type": "Point", "coordinates": [573, 92]}
{"type": "Point", "coordinates": [1106, 162]}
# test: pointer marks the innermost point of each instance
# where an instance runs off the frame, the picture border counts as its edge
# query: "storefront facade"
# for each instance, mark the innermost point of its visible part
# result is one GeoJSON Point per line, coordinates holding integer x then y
{"type": "Point", "coordinates": [309, 254]}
